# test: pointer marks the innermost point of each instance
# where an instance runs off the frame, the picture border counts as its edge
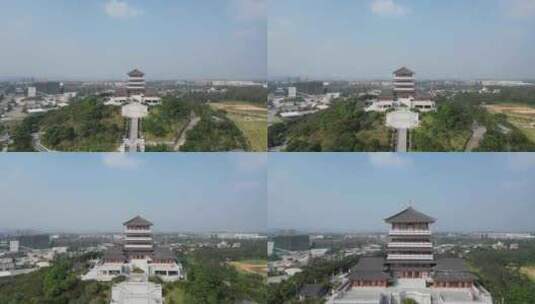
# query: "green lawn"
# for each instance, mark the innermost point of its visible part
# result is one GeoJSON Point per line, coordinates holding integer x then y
{"type": "Point", "coordinates": [177, 295]}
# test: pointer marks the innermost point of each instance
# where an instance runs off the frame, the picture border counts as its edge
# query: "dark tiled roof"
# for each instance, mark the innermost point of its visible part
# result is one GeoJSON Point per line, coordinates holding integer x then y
{"type": "Point", "coordinates": [451, 264]}
{"type": "Point", "coordinates": [403, 71]}
{"type": "Point", "coordinates": [369, 268]}
{"type": "Point", "coordinates": [313, 291]}
{"type": "Point", "coordinates": [370, 264]}
{"type": "Point", "coordinates": [453, 276]}
{"type": "Point", "coordinates": [138, 221]}
{"type": "Point", "coordinates": [135, 73]}
{"type": "Point", "coordinates": [410, 215]}
{"type": "Point", "coordinates": [115, 253]}
{"type": "Point", "coordinates": [163, 253]}
{"type": "Point", "coordinates": [452, 269]}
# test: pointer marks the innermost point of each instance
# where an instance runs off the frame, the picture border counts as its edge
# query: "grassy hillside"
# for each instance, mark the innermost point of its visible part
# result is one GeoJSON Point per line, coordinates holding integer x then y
{"type": "Point", "coordinates": [58, 284]}
{"type": "Point", "coordinates": [250, 118]}
{"type": "Point", "coordinates": [450, 128]}
{"type": "Point", "coordinates": [215, 132]}
{"type": "Point", "coordinates": [86, 125]}
{"type": "Point", "coordinates": [343, 127]}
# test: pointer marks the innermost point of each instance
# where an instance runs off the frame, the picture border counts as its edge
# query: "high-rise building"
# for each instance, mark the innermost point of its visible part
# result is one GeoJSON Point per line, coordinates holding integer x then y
{"type": "Point", "coordinates": [32, 92]}
{"type": "Point", "coordinates": [292, 92]}
{"type": "Point", "coordinates": [136, 83]}
{"type": "Point", "coordinates": [291, 242]}
{"type": "Point", "coordinates": [404, 86]}
{"type": "Point", "coordinates": [49, 87]}
{"type": "Point", "coordinates": [14, 246]}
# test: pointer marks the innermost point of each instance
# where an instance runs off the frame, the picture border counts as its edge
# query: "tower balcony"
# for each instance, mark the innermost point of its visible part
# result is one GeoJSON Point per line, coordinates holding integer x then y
{"type": "Point", "coordinates": [138, 246]}
{"type": "Point", "coordinates": [404, 84]}
{"type": "Point", "coordinates": [398, 89]}
{"type": "Point", "coordinates": [147, 239]}
{"type": "Point", "coordinates": [410, 245]}
{"type": "Point", "coordinates": [409, 232]}
{"type": "Point", "coordinates": [403, 78]}
{"type": "Point", "coordinates": [410, 257]}
{"type": "Point", "coordinates": [138, 231]}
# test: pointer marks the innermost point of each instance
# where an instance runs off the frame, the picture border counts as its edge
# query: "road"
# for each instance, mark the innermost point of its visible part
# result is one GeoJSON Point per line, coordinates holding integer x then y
{"type": "Point", "coordinates": [194, 120]}
{"type": "Point", "coordinates": [37, 145]}
{"type": "Point", "coordinates": [133, 142]}
{"type": "Point", "coordinates": [401, 143]}
{"type": "Point", "coordinates": [478, 132]}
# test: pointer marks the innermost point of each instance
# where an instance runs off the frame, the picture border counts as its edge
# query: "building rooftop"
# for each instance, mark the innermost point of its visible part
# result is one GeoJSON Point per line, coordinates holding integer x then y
{"type": "Point", "coordinates": [409, 215]}
{"type": "Point", "coordinates": [163, 253]}
{"type": "Point", "coordinates": [370, 268]}
{"type": "Point", "coordinates": [137, 221]}
{"type": "Point", "coordinates": [114, 253]}
{"type": "Point", "coordinates": [452, 269]}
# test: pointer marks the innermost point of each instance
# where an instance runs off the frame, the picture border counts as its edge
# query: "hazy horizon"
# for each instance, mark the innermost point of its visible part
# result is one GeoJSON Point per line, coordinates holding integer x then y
{"type": "Point", "coordinates": [368, 39]}
{"type": "Point", "coordinates": [357, 191]}
{"type": "Point", "coordinates": [98, 192]}
{"type": "Point", "coordinates": [104, 39]}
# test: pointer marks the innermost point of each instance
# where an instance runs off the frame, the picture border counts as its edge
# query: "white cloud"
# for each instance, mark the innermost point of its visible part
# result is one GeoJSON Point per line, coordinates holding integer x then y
{"type": "Point", "coordinates": [120, 161]}
{"type": "Point", "coordinates": [520, 8]}
{"type": "Point", "coordinates": [388, 8]}
{"type": "Point", "coordinates": [388, 160]}
{"type": "Point", "coordinates": [248, 10]}
{"type": "Point", "coordinates": [121, 10]}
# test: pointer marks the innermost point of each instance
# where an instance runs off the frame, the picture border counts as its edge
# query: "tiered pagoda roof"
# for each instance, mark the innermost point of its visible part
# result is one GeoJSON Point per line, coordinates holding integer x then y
{"type": "Point", "coordinates": [137, 221]}
{"type": "Point", "coordinates": [409, 215]}
{"type": "Point", "coordinates": [136, 73]}
{"type": "Point", "coordinates": [403, 72]}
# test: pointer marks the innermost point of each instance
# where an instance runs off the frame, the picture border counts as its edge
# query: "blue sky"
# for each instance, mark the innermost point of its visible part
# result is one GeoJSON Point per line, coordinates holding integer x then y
{"type": "Point", "coordinates": [365, 39]}
{"type": "Point", "coordinates": [354, 192]}
{"type": "Point", "coordinates": [97, 192]}
{"type": "Point", "coordinates": [168, 39]}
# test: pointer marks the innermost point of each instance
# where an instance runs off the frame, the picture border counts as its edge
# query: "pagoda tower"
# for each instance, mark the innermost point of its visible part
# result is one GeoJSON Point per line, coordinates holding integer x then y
{"type": "Point", "coordinates": [136, 83]}
{"type": "Point", "coordinates": [404, 86]}
{"type": "Point", "coordinates": [138, 238]}
{"type": "Point", "coordinates": [410, 248]}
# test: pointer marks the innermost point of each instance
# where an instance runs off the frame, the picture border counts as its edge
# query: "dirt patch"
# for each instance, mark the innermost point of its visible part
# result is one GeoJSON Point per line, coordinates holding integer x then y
{"type": "Point", "coordinates": [260, 269]}
{"type": "Point", "coordinates": [241, 107]}
{"type": "Point", "coordinates": [529, 271]}
{"type": "Point", "coordinates": [513, 109]}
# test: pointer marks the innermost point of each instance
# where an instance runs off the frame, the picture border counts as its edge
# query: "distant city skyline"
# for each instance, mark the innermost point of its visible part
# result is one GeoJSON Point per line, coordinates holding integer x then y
{"type": "Point", "coordinates": [348, 192]}
{"type": "Point", "coordinates": [103, 39]}
{"type": "Point", "coordinates": [83, 192]}
{"type": "Point", "coordinates": [368, 39]}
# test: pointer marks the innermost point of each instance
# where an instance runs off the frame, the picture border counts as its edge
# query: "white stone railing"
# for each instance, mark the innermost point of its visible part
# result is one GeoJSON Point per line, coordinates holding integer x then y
{"type": "Point", "coordinates": [138, 239]}
{"type": "Point", "coordinates": [147, 231]}
{"type": "Point", "coordinates": [410, 244]}
{"type": "Point", "coordinates": [410, 257]}
{"type": "Point", "coordinates": [403, 89]}
{"type": "Point", "coordinates": [409, 232]}
{"type": "Point", "coordinates": [137, 246]}
{"type": "Point", "coordinates": [403, 78]}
